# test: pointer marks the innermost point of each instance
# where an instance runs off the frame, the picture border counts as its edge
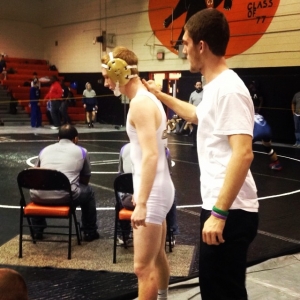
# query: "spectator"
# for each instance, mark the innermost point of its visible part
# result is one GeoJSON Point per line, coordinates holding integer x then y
{"type": "Point", "coordinates": [262, 130]}
{"type": "Point", "coordinates": [12, 285]}
{"type": "Point", "coordinates": [54, 95]}
{"type": "Point", "coordinates": [229, 214]}
{"type": "Point", "coordinates": [35, 110]}
{"type": "Point", "coordinates": [35, 79]}
{"type": "Point", "coordinates": [90, 104]}
{"type": "Point", "coordinates": [3, 70]}
{"type": "Point", "coordinates": [153, 186]}
{"type": "Point", "coordinates": [256, 96]}
{"type": "Point", "coordinates": [48, 112]}
{"type": "Point", "coordinates": [64, 104]}
{"type": "Point", "coordinates": [72, 160]}
{"type": "Point", "coordinates": [195, 99]}
{"type": "Point", "coordinates": [296, 116]}
{"type": "Point", "coordinates": [71, 99]}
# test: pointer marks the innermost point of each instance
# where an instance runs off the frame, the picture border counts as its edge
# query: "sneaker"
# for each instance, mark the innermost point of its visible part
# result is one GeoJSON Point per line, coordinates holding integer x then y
{"type": "Point", "coordinates": [54, 127]}
{"type": "Point", "coordinates": [89, 125]}
{"type": "Point", "coordinates": [89, 237]}
{"type": "Point", "coordinates": [129, 242]}
{"type": "Point", "coordinates": [275, 165]}
{"type": "Point", "coordinates": [92, 125]}
{"type": "Point", "coordinates": [120, 241]}
{"type": "Point", "coordinates": [173, 241]}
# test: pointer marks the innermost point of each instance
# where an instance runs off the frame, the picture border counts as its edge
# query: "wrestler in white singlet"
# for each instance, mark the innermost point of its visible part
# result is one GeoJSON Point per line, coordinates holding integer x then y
{"type": "Point", "coordinates": [162, 193]}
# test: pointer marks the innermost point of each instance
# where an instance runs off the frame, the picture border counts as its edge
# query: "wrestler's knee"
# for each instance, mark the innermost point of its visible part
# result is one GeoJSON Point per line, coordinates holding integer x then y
{"type": "Point", "coordinates": [142, 269]}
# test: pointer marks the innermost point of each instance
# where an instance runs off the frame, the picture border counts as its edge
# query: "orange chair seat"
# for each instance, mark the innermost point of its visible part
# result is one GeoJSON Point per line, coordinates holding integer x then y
{"type": "Point", "coordinates": [125, 214]}
{"type": "Point", "coordinates": [51, 211]}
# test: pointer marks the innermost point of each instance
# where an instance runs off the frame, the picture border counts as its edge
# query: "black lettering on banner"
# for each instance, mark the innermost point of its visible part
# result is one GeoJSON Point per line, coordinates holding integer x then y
{"type": "Point", "coordinates": [260, 19]}
{"type": "Point", "coordinates": [254, 6]}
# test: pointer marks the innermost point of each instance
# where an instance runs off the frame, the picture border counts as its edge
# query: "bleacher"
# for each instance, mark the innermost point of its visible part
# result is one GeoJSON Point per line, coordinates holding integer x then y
{"type": "Point", "coordinates": [17, 83]}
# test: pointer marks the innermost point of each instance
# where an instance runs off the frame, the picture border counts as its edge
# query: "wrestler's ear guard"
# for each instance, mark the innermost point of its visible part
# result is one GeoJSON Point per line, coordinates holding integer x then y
{"type": "Point", "coordinates": [118, 70]}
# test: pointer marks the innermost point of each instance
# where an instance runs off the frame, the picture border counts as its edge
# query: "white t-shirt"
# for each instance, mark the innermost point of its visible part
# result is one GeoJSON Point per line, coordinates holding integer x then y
{"type": "Point", "coordinates": [226, 109]}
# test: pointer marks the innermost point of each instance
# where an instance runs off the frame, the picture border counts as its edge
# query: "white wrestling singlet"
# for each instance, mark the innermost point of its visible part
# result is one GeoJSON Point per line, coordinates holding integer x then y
{"type": "Point", "coordinates": [162, 194]}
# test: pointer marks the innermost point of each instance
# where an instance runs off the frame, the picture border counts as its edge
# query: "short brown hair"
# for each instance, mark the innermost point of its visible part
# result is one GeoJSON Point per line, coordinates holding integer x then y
{"type": "Point", "coordinates": [12, 285]}
{"type": "Point", "coordinates": [209, 25]}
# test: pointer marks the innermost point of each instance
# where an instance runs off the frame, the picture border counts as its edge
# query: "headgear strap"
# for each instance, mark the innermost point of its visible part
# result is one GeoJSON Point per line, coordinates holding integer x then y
{"type": "Point", "coordinates": [118, 70]}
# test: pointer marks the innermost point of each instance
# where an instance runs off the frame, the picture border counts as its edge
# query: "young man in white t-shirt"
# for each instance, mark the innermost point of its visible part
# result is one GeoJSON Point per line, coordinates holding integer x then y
{"type": "Point", "coordinates": [225, 118]}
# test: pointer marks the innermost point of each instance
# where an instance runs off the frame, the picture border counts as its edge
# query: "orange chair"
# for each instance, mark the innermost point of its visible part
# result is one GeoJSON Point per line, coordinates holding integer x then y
{"type": "Point", "coordinates": [47, 180]}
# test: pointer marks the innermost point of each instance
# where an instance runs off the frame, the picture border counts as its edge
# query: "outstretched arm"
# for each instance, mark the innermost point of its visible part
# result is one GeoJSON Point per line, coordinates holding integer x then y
{"type": "Point", "coordinates": [185, 110]}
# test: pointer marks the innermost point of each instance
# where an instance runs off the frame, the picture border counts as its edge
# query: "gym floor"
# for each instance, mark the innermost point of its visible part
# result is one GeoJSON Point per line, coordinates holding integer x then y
{"type": "Point", "coordinates": [278, 192]}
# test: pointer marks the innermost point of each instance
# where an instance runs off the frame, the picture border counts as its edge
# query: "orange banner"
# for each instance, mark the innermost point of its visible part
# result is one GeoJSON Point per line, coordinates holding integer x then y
{"type": "Point", "coordinates": [248, 20]}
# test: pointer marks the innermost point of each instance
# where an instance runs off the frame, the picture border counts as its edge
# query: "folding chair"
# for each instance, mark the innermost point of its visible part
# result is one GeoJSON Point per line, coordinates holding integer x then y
{"type": "Point", "coordinates": [47, 180]}
{"type": "Point", "coordinates": [123, 184]}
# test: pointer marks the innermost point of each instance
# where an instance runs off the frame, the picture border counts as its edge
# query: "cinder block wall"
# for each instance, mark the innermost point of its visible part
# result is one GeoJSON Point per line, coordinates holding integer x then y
{"type": "Point", "coordinates": [63, 33]}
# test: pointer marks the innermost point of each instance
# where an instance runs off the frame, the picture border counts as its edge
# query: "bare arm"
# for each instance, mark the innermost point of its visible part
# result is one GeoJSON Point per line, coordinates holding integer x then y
{"type": "Point", "coordinates": [236, 173]}
{"type": "Point", "coordinates": [185, 110]}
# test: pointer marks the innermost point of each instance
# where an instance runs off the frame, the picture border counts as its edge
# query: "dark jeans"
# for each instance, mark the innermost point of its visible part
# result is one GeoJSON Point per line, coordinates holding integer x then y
{"type": "Point", "coordinates": [55, 113]}
{"type": "Point", "coordinates": [48, 114]}
{"type": "Point", "coordinates": [222, 268]}
{"type": "Point", "coordinates": [35, 115]}
{"type": "Point", "coordinates": [87, 203]}
{"type": "Point", "coordinates": [297, 128]}
{"type": "Point", "coordinates": [64, 112]}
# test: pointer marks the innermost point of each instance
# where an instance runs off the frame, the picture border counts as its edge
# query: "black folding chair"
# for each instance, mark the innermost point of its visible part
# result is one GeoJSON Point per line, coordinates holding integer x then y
{"type": "Point", "coordinates": [123, 184]}
{"type": "Point", "coordinates": [46, 180]}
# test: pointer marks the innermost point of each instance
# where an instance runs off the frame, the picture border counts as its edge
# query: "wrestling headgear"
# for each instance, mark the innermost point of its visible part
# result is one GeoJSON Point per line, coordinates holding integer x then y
{"type": "Point", "coordinates": [119, 72]}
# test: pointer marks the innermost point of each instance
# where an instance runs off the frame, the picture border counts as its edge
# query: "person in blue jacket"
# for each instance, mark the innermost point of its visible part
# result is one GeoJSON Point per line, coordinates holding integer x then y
{"type": "Point", "coordinates": [35, 114]}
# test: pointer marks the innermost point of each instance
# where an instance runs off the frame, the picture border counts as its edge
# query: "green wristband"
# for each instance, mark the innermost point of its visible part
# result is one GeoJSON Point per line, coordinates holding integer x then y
{"type": "Point", "coordinates": [220, 211]}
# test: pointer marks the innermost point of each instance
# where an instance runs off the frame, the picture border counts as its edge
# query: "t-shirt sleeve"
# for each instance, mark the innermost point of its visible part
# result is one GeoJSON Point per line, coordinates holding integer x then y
{"type": "Point", "coordinates": [235, 115]}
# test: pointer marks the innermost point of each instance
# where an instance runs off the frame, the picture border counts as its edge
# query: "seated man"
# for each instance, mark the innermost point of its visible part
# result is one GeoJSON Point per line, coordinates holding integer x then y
{"type": "Point", "coordinates": [72, 160]}
{"type": "Point", "coordinates": [125, 167]}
